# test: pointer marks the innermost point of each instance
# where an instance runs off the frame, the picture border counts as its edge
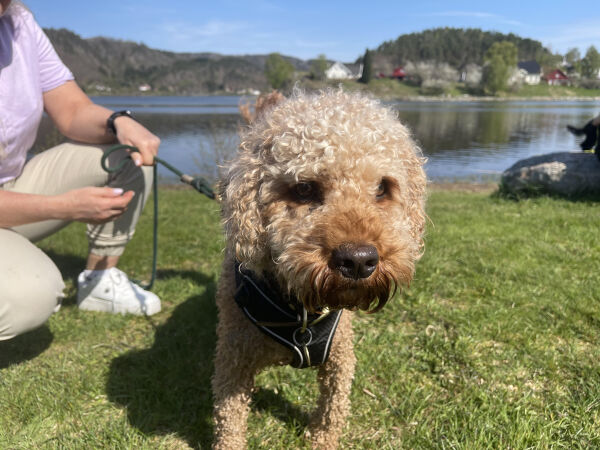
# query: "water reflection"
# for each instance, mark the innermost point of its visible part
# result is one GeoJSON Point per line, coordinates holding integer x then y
{"type": "Point", "coordinates": [461, 140]}
{"type": "Point", "coordinates": [481, 139]}
{"type": "Point", "coordinates": [197, 144]}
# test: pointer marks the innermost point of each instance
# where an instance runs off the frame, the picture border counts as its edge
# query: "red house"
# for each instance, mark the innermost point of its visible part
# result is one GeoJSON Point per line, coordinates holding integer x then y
{"type": "Point", "coordinates": [399, 73]}
{"type": "Point", "coordinates": [557, 78]}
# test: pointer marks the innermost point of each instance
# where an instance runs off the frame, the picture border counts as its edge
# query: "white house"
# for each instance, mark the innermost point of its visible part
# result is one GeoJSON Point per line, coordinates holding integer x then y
{"type": "Point", "coordinates": [528, 72]}
{"type": "Point", "coordinates": [339, 71]}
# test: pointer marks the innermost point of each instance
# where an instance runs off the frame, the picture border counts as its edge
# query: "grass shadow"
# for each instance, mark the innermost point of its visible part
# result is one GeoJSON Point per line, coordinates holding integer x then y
{"type": "Point", "coordinates": [70, 265]}
{"type": "Point", "coordinates": [505, 193]}
{"type": "Point", "coordinates": [532, 194]}
{"type": "Point", "coordinates": [266, 400]}
{"type": "Point", "coordinates": [166, 388]}
{"type": "Point", "coordinates": [25, 347]}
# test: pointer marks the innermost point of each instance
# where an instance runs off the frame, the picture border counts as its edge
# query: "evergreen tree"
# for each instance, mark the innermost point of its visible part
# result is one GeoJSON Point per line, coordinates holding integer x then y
{"type": "Point", "coordinates": [367, 73]}
{"type": "Point", "coordinates": [278, 71]}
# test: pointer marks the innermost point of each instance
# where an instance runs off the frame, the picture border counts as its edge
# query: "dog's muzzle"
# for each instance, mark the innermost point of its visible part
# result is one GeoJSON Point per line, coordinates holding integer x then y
{"type": "Point", "coordinates": [354, 261]}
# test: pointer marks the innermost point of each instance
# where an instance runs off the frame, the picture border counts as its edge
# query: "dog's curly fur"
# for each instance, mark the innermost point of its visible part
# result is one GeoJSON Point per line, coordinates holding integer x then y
{"type": "Point", "coordinates": [315, 173]}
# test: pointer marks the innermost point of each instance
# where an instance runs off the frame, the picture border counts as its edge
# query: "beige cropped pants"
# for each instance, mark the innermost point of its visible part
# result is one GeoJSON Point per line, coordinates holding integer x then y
{"type": "Point", "coordinates": [30, 283]}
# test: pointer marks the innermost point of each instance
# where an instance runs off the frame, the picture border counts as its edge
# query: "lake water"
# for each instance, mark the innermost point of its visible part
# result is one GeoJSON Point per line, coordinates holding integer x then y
{"type": "Point", "coordinates": [461, 140]}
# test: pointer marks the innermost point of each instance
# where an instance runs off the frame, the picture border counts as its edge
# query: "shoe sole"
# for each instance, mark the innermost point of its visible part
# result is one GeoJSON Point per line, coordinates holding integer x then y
{"type": "Point", "coordinates": [99, 305]}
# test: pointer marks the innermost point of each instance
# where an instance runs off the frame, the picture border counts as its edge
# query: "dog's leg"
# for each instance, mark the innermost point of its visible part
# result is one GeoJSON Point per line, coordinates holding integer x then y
{"type": "Point", "coordinates": [232, 385]}
{"type": "Point", "coordinates": [233, 378]}
{"type": "Point", "coordinates": [335, 383]}
{"type": "Point", "coordinates": [242, 352]}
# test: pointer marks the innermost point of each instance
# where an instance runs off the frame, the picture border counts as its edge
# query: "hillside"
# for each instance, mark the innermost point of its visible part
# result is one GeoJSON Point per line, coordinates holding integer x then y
{"type": "Point", "coordinates": [103, 65]}
{"type": "Point", "coordinates": [454, 46]}
{"type": "Point", "coordinates": [123, 66]}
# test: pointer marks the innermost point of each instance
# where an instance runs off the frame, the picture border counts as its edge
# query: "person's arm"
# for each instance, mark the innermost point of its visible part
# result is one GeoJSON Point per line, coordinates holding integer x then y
{"type": "Point", "coordinates": [78, 118]}
{"type": "Point", "coordinates": [90, 205]}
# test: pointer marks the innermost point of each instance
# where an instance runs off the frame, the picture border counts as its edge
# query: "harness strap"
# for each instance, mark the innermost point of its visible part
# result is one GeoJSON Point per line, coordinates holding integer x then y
{"type": "Point", "coordinates": [308, 336]}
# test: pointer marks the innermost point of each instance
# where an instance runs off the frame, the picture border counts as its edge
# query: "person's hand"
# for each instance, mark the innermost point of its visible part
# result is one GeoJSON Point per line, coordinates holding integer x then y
{"type": "Point", "coordinates": [130, 132]}
{"type": "Point", "coordinates": [94, 205]}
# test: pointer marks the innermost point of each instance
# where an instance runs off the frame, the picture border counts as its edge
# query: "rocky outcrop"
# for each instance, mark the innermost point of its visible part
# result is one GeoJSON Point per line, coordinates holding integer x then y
{"type": "Point", "coordinates": [566, 174]}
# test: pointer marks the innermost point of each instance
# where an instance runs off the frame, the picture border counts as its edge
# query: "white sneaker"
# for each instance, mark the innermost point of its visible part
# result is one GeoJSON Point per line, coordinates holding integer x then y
{"type": "Point", "coordinates": [113, 292]}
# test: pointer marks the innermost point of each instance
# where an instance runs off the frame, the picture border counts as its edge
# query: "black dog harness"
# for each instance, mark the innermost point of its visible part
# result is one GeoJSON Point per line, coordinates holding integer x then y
{"type": "Point", "coordinates": [309, 336]}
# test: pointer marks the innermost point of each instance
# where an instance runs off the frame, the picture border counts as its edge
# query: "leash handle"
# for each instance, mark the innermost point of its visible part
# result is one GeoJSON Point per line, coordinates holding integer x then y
{"type": "Point", "coordinates": [110, 151]}
{"type": "Point", "coordinates": [198, 183]}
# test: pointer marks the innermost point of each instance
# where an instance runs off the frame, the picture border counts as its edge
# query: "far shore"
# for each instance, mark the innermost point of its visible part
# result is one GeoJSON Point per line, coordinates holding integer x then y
{"type": "Point", "coordinates": [391, 90]}
{"type": "Point", "coordinates": [410, 98]}
{"type": "Point", "coordinates": [471, 98]}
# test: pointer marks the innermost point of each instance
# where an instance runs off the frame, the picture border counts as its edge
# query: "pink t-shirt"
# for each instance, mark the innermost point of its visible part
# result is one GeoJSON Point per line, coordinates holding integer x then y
{"type": "Point", "coordinates": [29, 66]}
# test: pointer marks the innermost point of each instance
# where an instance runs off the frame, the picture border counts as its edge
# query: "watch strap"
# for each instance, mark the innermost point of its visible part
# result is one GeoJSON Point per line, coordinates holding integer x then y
{"type": "Point", "coordinates": [110, 122]}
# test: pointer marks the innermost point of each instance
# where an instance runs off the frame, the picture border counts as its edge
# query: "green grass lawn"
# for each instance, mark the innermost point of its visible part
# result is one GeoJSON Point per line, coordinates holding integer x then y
{"type": "Point", "coordinates": [495, 345]}
{"type": "Point", "coordinates": [393, 89]}
{"type": "Point", "coordinates": [384, 88]}
{"type": "Point", "coordinates": [544, 90]}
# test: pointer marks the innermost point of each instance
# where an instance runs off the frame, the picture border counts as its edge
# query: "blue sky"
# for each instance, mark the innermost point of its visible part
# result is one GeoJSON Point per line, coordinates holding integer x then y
{"type": "Point", "coordinates": [304, 29]}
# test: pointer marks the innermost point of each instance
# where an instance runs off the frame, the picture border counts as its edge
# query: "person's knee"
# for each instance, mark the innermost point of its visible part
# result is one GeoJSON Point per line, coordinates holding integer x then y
{"type": "Point", "coordinates": [31, 286]}
{"type": "Point", "coordinates": [29, 308]}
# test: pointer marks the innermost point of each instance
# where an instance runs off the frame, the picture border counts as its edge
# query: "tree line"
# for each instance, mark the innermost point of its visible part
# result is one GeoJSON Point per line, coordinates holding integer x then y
{"type": "Point", "coordinates": [436, 58]}
{"type": "Point", "coordinates": [457, 47]}
{"type": "Point", "coordinates": [433, 58]}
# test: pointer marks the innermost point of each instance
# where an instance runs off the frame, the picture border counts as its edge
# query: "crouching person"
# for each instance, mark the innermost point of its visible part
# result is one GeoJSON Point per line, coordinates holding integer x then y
{"type": "Point", "coordinates": [66, 183]}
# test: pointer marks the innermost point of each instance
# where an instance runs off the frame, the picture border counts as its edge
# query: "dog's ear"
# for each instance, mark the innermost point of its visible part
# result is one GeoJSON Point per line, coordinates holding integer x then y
{"type": "Point", "coordinates": [413, 180]}
{"type": "Point", "coordinates": [264, 102]}
{"type": "Point", "coordinates": [239, 191]}
{"type": "Point", "coordinates": [417, 182]}
{"type": "Point", "coordinates": [240, 207]}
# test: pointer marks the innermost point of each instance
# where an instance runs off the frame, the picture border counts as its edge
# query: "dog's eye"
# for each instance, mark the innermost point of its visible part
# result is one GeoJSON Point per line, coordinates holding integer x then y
{"type": "Point", "coordinates": [387, 189]}
{"type": "Point", "coordinates": [381, 190]}
{"type": "Point", "coordinates": [306, 192]}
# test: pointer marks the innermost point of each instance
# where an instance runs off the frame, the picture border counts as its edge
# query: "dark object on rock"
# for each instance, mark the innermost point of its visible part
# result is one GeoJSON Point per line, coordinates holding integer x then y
{"type": "Point", "coordinates": [568, 174]}
{"type": "Point", "coordinates": [591, 136]}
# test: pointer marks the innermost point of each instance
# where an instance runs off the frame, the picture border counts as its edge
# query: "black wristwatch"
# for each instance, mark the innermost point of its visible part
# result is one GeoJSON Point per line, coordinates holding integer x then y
{"type": "Point", "coordinates": [110, 122]}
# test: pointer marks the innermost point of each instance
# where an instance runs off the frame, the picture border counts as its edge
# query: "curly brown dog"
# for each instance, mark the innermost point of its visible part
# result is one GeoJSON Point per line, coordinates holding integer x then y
{"type": "Point", "coordinates": [323, 211]}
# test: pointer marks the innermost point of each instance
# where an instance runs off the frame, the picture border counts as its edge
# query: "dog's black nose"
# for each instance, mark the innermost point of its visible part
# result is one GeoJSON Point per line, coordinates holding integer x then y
{"type": "Point", "coordinates": [355, 260]}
